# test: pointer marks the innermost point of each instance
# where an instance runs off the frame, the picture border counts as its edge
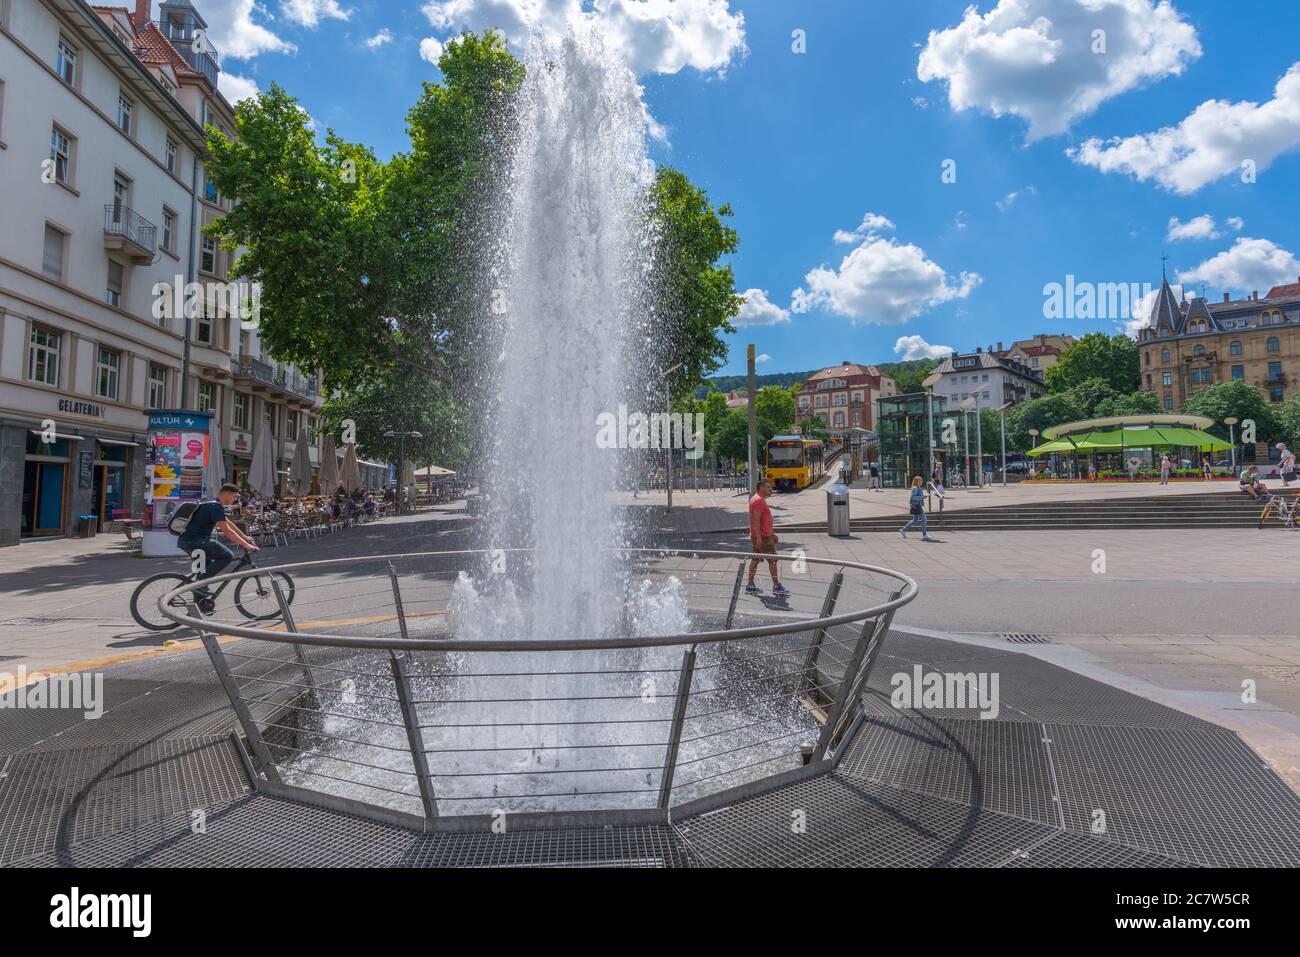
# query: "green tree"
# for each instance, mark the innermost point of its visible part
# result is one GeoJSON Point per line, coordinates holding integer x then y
{"type": "Point", "coordinates": [1041, 413]}
{"type": "Point", "coordinates": [1113, 359]}
{"type": "Point", "coordinates": [731, 440]}
{"type": "Point", "coordinates": [1289, 421]}
{"type": "Point", "coordinates": [419, 404]}
{"type": "Point", "coordinates": [909, 375]}
{"type": "Point", "coordinates": [1235, 399]}
{"type": "Point", "coordinates": [1131, 403]}
{"type": "Point", "coordinates": [774, 410]}
{"type": "Point", "coordinates": [1089, 393]}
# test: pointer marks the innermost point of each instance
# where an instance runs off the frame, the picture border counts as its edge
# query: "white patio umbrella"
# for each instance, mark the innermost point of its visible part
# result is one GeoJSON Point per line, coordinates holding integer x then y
{"type": "Point", "coordinates": [329, 466]}
{"type": "Point", "coordinates": [350, 472]}
{"type": "Point", "coordinates": [300, 470]}
{"type": "Point", "coordinates": [216, 464]}
{"type": "Point", "coordinates": [261, 472]}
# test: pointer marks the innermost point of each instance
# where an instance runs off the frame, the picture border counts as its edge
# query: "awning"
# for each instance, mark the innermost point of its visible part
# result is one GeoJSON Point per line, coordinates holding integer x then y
{"type": "Point", "coordinates": [60, 436]}
{"type": "Point", "coordinates": [115, 442]}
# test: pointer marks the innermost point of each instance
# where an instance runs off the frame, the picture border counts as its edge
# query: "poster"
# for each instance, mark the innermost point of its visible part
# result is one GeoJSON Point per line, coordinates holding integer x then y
{"type": "Point", "coordinates": [165, 466]}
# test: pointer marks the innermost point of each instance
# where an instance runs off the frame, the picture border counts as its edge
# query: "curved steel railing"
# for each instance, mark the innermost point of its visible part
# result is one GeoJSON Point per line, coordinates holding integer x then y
{"type": "Point", "coordinates": [610, 725]}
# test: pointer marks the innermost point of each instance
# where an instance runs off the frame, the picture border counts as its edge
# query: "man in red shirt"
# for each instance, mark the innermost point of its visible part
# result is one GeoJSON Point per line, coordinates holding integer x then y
{"type": "Point", "coordinates": [762, 539]}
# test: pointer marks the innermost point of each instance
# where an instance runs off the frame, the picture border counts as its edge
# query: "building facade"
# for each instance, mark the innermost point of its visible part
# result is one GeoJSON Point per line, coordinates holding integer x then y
{"type": "Point", "coordinates": [990, 378]}
{"type": "Point", "coordinates": [1187, 346]}
{"type": "Point", "coordinates": [1039, 352]}
{"type": "Point", "coordinates": [103, 197]}
{"type": "Point", "coordinates": [843, 396]}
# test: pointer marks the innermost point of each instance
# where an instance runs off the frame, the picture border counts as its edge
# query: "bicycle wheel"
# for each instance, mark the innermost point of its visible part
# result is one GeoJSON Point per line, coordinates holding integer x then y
{"type": "Point", "coordinates": [255, 597]}
{"type": "Point", "coordinates": [1269, 509]}
{"type": "Point", "coordinates": [144, 602]}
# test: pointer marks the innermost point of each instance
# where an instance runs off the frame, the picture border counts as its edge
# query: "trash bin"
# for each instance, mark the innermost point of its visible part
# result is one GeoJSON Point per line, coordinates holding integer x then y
{"type": "Point", "coordinates": [837, 510]}
{"type": "Point", "coordinates": [87, 526]}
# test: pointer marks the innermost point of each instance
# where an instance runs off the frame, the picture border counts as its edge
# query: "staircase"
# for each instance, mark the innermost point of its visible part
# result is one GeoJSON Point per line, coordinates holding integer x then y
{"type": "Point", "coordinates": [1208, 510]}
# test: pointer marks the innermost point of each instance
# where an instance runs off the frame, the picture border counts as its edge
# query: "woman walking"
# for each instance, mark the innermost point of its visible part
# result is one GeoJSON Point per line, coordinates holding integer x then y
{"type": "Point", "coordinates": [1164, 469]}
{"type": "Point", "coordinates": [917, 508]}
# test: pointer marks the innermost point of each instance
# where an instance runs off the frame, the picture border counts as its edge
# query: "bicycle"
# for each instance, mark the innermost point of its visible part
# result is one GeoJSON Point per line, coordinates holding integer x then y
{"type": "Point", "coordinates": [254, 595]}
{"type": "Point", "coordinates": [1276, 505]}
{"type": "Point", "coordinates": [956, 480]}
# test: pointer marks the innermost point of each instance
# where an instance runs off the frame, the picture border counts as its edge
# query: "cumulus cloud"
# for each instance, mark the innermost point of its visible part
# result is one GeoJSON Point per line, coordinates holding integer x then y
{"type": "Point", "coordinates": [1249, 265]}
{"type": "Point", "coordinates": [235, 88]}
{"type": "Point", "coordinates": [309, 13]}
{"type": "Point", "coordinates": [379, 39]}
{"type": "Point", "coordinates": [759, 311]}
{"type": "Point", "coordinates": [1006, 202]}
{"type": "Point", "coordinates": [1214, 140]}
{"type": "Point", "coordinates": [914, 347]}
{"type": "Point", "coordinates": [759, 360]}
{"type": "Point", "coordinates": [883, 282]}
{"type": "Point", "coordinates": [232, 30]}
{"type": "Point", "coordinates": [871, 223]}
{"type": "Point", "coordinates": [1200, 227]}
{"type": "Point", "coordinates": [431, 49]}
{"type": "Point", "coordinates": [1035, 59]}
{"type": "Point", "coordinates": [655, 36]}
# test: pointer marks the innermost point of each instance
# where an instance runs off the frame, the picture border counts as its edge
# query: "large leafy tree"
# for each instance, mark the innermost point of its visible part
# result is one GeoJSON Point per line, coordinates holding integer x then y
{"type": "Point", "coordinates": [1041, 413]}
{"type": "Point", "coordinates": [1089, 393]}
{"type": "Point", "coordinates": [409, 402]}
{"type": "Point", "coordinates": [1113, 359]}
{"type": "Point", "coordinates": [1131, 403]}
{"type": "Point", "coordinates": [1235, 399]}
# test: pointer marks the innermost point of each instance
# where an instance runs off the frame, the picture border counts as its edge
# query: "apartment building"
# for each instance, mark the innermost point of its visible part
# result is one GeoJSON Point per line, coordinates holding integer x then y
{"type": "Point", "coordinates": [1188, 345]}
{"type": "Point", "coordinates": [843, 396]}
{"type": "Point", "coordinates": [103, 197]}
{"type": "Point", "coordinates": [1039, 352]}
{"type": "Point", "coordinates": [993, 381]}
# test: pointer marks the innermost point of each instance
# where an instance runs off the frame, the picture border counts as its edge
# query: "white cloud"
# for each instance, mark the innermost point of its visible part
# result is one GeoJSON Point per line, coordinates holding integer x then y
{"type": "Point", "coordinates": [309, 13]}
{"type": "Point", "coordinates": [1140, 311]}
{"type": "Point", "coordinates": [1034, 58]}
{"type": "Point", "coordinates": [233, 32]}
{"type": "Point", "coordinates": [872, 223]}
{"type": "Point", "coordinates": [1214, 140]}
{"type": "Point", "coordinates": [1249, 265]}
{"type": "Point", "coordinates": [914, 347]}
{"type": "Point", "coordinates": [883, 282]}
{"type": "Point", "coordinates": [431, 49]}
{"type": "Point", "coordinates": [763, 358]}
{"type": "Point", "coordinates": [1200, 227]}
{"type": "Point", "coordinates": [1009, 200]}
{"type": "Point", "coordinates": [235, 88]}
{"type": "Point", "coordinates": [920, 102]}
{"type": "Point", "coordinates": [379, 39]}
{"type": "Point", "coordinates": [655, 36]}
{"type": "Point", "coordinates": [759, 311]}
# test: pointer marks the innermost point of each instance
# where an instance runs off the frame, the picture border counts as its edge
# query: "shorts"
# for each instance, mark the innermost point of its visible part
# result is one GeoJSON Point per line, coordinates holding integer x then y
{"type": "Point", "coordinates": [766, 545]}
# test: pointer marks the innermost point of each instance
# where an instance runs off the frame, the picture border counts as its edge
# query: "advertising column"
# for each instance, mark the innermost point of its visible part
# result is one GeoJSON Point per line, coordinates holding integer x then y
{"type": "Point", "coordinates": [176, 471]}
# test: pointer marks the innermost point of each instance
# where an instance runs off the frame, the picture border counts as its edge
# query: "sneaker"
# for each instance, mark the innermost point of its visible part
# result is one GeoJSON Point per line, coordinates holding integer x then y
{"type": "Point", "coordinates": [903, 534]}
{"type": "Point", "coordinates": [780, 590]}
{"type": "Point", "coordinates": [207, 605]}
{"type": "Point", "coordinates": [753, 590]}
{"type": "Point", "coordinates": [926, 538]}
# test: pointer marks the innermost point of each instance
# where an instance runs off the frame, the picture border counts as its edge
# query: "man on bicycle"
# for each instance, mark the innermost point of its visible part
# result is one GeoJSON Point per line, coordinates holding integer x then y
{"type": "Point", "coordinates": [198, 538]}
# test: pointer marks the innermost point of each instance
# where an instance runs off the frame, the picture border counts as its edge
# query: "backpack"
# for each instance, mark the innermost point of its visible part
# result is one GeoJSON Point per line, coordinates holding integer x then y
{"type": "Point", "coordinates": [180, 520]}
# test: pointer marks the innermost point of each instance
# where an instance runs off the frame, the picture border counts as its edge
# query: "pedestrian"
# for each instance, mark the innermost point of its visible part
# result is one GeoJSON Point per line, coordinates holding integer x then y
{"type": "Point", "coordinates": [873, 480]}
{"type": "Point", "coordinates": [1164, 469]}
{"type": "Point", "coordinates": [1286, 464]}
{"type": "Point", "coordinates": [916, 505]}
{"type": "Point", "coordinates": [1207, 471]}
{"type": "Point", "coordinates": [1250, 484]}
{"type": "Point", "coordinates": [762, 539]}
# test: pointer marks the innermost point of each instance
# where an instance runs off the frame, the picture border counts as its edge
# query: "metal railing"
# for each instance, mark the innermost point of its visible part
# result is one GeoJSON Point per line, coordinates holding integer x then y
{"type": "Point", "coordinates": [123, 221]}
{"type": "Point", "coordinates": [356, 691]}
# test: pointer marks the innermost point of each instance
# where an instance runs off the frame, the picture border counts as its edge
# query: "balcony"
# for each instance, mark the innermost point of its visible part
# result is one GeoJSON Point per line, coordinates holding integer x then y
{"type": "Point", "coordinates": [194, 46]}
{"type": "Point", "coordinates": [127, 232]}
{"type": "Point", "coordinates": [261, 373]}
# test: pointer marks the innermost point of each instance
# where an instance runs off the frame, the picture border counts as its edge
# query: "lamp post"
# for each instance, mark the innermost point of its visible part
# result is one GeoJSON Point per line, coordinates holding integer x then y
{"type": "Point", "coordinates": [401, 461]}
{"type": "Point", "coordinates": [930, 381]}
{"type": "Point", "coordinates": [966, 405]}
{"type": "Point", "coordinates": [1002, 414]}
{"type": "Point", "coordinates": [1231, 421]}
{"type": "Point", "coordinates": [668, 409]}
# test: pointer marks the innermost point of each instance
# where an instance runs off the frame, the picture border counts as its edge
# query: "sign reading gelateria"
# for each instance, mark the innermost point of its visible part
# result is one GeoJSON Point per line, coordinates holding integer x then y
{"type": "Point", "coordinates": [74, 407]}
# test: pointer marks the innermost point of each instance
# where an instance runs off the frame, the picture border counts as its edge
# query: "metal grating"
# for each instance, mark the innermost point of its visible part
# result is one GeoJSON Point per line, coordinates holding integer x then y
{"type": "Point", "coordinates": [1198, 795]}
{"type": "Point", "coordinates": [1068, 849]}
{"type": "Point", "coordinates": [22, 729]}
{"type": "Point", "coordinates": [852, 823]}
{"type": "Point", "coordinates": [999, 766]}
{"type": "Point", "coordinates": [626, 846]}
{"type": "Point", "coordinates": [1026, 638]}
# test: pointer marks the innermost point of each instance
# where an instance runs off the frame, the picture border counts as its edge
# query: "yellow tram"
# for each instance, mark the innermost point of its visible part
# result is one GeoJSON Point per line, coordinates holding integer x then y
{"type": "Point", "coordinates": [794, 462]}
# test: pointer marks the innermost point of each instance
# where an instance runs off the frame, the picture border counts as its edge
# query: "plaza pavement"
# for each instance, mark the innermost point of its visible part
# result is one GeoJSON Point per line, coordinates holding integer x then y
{"type": "Point", "coordinates": [1185, 616]}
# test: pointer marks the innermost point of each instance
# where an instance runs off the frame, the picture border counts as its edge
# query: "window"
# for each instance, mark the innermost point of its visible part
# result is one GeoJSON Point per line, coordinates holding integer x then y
{"type": "Point", "coordinates": [61, 155]}
{"type": "Point", "coordinates": [210, 191]}
{"type": "Point", "coordinates": [1147, 356]}
{"type": "Point", "coordinates": [1275, 372]}
{"type": "Point", "coordinates": [239, 412]}
{"type": "Point", "coordinates": [113, 294]}
{"type": "Point", "coordinates": [291, 426]}
{"type": "Point", "coordinates": [1235, 347]}
{"type": "Point", "coordinates": [1238, 373]}
{"type": "Point", "coordinates": [1196, 376]}
{"type": "Point", "coordinates": [1167, 378]}
{"type": "Point", "coordinates": [204, 398]}
{"type": "Point", "coordinates": [244, 346]}
{"type": "Point", "coordinates": [65, 62]}
{"type": "Point", "coordinates": [203, 328]}
{"type": "Point", "coordinates": [1274, 345]}
{"type": "Point", "coordinates": [52, 258]}
{"type": "Point", "coordinates": [268, 416]}
{"type": "Point", "coordinates": [1275, 393]}
{"type": "Point", "coordinates": [1164, 356]}
{"type": "Point", "coordinates": [1199, 351]}
{"type": "Point", "coordinates": [157, 387]}
{"type": "Point", "coordinates": [169, 231]}
{"type": "Point", "coordinates": [107, 364]}
{"type": "Point", "coordinates": [1169, 403]}
{"type": "Point", "coordinates": [124, 109]}
{"type": "Point", "coordinates": [43, 356]}
{"type": "Point", "coordinates": [1034, 362]}
{"type": "Point", "coordinates": [169, 152]}
{"type": "Point", "coordinates": [209, 261]}
{"type": "Point", "coordinates": [1148, 380]}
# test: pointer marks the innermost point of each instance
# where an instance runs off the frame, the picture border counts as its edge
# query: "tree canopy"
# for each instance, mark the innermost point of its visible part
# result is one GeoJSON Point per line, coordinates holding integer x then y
{"type": "Point", "coordinates": [1235, 399]}
{"type": "Point", "coordinates": [1113, 359]}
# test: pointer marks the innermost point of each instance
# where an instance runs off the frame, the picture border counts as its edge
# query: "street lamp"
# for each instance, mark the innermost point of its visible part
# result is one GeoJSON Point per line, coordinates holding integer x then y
{"type": "Point", "coordinates": [930, 382]}
{"type": "Point", "coordinates": [1002, 414]}
{"type": "Point", "coordinates": [966, 404]}
{"type": "Point", "coordinates": [668, 409]}
{"type": "Point", "coordinates": [1230, 421]}
{"type": "Point", "coordinates": [401, 461]}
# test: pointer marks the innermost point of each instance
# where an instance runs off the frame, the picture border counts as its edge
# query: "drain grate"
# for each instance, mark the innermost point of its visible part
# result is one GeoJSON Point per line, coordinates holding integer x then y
{"type": "Point", "coordinates": [1026, 638]}
{"type": "Point", "coordinates": [11, 657]}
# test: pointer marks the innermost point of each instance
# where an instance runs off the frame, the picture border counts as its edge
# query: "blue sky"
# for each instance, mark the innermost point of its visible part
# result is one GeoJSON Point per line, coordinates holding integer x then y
{"type": "Point", "coordinates": [1073, 154]}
